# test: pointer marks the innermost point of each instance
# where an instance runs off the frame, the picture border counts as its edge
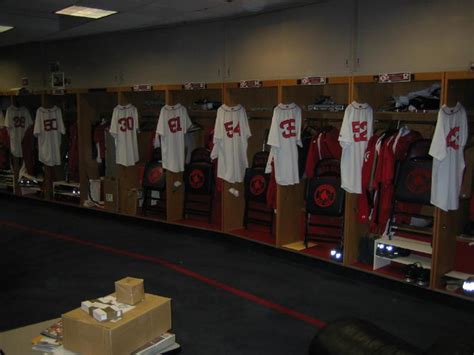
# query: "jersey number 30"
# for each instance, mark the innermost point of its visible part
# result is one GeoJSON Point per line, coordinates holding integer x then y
{"type": "Point", "coordinates": [126, 124]}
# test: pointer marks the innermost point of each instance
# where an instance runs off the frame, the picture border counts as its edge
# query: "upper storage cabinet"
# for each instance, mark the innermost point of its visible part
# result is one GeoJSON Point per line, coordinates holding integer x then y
{"type": "Point", "coordinates": [416, 36]}
{"type": "Point", "coordinates": [305, 41]}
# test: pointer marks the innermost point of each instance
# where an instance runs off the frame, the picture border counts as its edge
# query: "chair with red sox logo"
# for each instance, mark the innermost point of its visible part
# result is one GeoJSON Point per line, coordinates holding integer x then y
{"type": "Point", "coordinates": [412, 188]}
{"type": "Point", "coordinates": [256, 184]}
{"type": "Point", "coordinates": [325, 198]}
{"type": "Point", "coordinates": [199, 185]}
{"type": "Point", "coordinates": [154, 180]}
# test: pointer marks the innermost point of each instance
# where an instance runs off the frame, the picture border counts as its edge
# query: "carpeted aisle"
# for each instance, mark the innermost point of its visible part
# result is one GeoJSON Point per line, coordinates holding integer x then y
{"type": "Point", "coordinates": [229, 296]}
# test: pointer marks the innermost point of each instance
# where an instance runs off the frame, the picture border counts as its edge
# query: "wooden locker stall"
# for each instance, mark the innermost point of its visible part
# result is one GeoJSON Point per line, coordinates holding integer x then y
{"type": "Point", "coordinates": [453, 256]}
{"type": "Point", "coordinates": [32, 183]}
{"type": "Point", "coordinates": [58, 185]}
{"type": "Point", "coordinates": [378, 94]}
{"type": "Point", "coordinates": [9, 165]}
{"type": "Point", "coordinates": [94, 113]}
{"type": "Point", "coordinates": [291, 215]}
{"type": "Point", "coordinates": [259, 103]}
{"type": "Point", "coordinates": [148, 104]}
{"type": "Point", "coordinates": [201, 101]}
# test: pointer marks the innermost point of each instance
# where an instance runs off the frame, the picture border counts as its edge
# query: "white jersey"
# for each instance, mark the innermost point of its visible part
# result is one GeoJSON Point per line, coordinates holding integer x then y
{"type": "Point", "coordinates": [124, 128]}
{"type": "Point", "coordinates": [48, 128]}
{"type": "Point", "coordinates": [17, 120]}
{"type": "Point", "coordinates": [284, 136]}
{"type": "Point", "coordinates": [173, 124]}
{"type": "Point", "coordinates": [355, 133]}
{"type": "Point", "coordinates": [447, 149]}
{"type": "Point", "coordinates": [231, 133]}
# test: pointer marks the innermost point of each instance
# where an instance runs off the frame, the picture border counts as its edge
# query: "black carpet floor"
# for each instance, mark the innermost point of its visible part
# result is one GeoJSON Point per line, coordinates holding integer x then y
{"type": "Point", "coordinates": [42, 277]}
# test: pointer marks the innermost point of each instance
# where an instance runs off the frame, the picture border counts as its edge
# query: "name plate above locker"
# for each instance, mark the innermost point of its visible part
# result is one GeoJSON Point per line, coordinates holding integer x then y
{"type": "Point", "coordinates": [194, 86]}
{"type": "Point", "coordinates": [142, 87]}
{"type": "Point", "coordinates": [249, 84]}
{"type": "Point", "coordinates": [393, 78]}
{"type": "Point", "coordinates": [58, 92]}
{"type": "Point", "coordinates": [313, 80]}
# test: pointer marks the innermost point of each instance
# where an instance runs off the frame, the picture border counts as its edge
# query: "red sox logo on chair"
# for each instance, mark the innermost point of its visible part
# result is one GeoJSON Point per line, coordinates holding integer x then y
{"type": "Point", "coordinates": [325, 195]}
{"type": "Point", "coordinates": [155, 174]}
{"type": "Point", "coordinates": [196, 179]}
{"type": "Point", "coordinates": [419, 181]}
{"type": "Point", "coordinates": [257, 185]}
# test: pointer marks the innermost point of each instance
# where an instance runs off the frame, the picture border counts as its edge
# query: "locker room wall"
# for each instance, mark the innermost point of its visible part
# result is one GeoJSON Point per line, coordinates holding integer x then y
{"type": "Point", "coordinates": [333, 37]}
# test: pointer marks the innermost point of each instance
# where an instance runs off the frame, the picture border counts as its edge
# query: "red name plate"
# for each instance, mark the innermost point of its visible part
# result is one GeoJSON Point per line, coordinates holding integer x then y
{"type": "Point", "coordinates": [194, 86]}
{"type": "Point", "coordinates": [313, 80]}
{"type": "Point", "coordinates": [394, 77]}
{"type": "Point", "coordinates": [247, 84]}
{"type": "Point", "coordinates": [142, 87]}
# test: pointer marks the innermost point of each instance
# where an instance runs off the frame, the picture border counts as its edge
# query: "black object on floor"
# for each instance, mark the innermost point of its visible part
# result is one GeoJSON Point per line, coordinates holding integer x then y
{"type": "Point", "coordinates": [42, 277]}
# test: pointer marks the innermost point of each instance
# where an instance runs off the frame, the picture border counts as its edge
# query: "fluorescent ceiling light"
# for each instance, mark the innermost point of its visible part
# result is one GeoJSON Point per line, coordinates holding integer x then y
{"type": "Point", "coordinates": [5, 28]}
{"type": "Point", "coordinates": [81, 11]}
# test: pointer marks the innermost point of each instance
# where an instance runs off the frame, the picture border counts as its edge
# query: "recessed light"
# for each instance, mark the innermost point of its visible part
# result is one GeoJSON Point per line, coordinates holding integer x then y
{"type": "Point", "coordinates": [82, 11]}
{"type": "Point", "coordinates": [5, 28]}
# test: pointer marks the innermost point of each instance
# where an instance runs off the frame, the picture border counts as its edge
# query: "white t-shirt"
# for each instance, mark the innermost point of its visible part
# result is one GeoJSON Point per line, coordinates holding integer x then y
{"type": "Point", "coordinates": [124, 128]}
{"type": "Point", "coordinates": [447, 150]}
{"type": "Point", "coordinates": [17, 120]}
{"type": "Point", "coordinates": [355, 133]}
{"type": "Point", "coordinates": [284, 136]}
{"type": "Point", "coordinates": [231, 133]}
{"type": "Point", "coordinates": [48, 128]}
{"type": "Point", "coordinates": [173, 124]}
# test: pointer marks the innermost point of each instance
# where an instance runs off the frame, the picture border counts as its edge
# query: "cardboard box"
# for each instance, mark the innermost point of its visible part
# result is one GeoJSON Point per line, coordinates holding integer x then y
{"type": "Point", "coordinates": [129, 290]}
{"type": "Point", "coordinates": [145, 322]}
{"type": "Point", "coordinates": [111, 194]}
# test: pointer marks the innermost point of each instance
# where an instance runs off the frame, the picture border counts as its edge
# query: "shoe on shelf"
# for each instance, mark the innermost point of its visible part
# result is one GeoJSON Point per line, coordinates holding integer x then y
{"type": "Point", "coordinates": [423, 278]}
{"type": "Point", "coordinates": [412, 271]}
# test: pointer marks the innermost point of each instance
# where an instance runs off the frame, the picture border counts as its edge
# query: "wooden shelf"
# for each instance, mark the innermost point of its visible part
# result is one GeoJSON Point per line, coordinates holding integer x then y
{"type": "Point", "coordinates": [406, 116]}
{"type": "Point", "coordinates": [323, 114]}
{"type": "Point", "coordinates": [458, 275]}
{"type": "Point", "coordinates": [406, 243]}
{"type": "Point", "coordinates": [202, 113]}
{"type": "Point", "coordinates": [407, 260]}
{"type": "Point", "coordinates": [259, 114]}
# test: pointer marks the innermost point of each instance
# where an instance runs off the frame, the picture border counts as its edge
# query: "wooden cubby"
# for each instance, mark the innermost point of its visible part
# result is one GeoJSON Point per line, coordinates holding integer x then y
{"type": "Point", "coordinates": [259, 103]}
{"type": "Point", "coordinates": [87, 106]}
{"type": "Point", "coordinates": [92, 106]}
{"type": "Point", "coordinates": [366, 89]}
{"type": "Point", "coordinates": [291, 214]}
{"type": "Point", "coordinates": [148, 104]}
{"type": "Point", "coordinates": [32, 102]}
{"type": "Point", "coordinates": [206, 119]}
{"type": "Point", "coordinates": [449, 246]}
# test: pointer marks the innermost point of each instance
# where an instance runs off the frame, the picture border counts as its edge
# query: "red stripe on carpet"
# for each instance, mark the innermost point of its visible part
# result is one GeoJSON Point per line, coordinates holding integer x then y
{"type": "Point", "coordinates": [219, 285]}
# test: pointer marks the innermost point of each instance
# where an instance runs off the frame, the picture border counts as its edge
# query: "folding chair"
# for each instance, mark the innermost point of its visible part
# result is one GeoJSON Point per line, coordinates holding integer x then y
{"type": "Point", "coordinates": [199, 185]}
{"type": "Point", "coordinates": [154, 180]}
{"type": "Point", "coordinates": [256, 185]}
{"type": "Point", "coordinates": [413, 187]}
{"type": "Point", "coordinates": [325, 198]}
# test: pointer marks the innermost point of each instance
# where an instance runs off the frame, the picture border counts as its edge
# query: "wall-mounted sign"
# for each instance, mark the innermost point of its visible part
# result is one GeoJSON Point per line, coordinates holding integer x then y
{"type": "Point", "coordinates": [142, 87]}
{"type": "Point", "coordinates": [194, 86]}
{"type": "Point", "coordinates": [393, 77]}
{"type": "Point", "coordinates": [248, 84]}
{"type": "Point", "coordinates": [57, 80]}
{"type": "Point", "coordinates": [313, 80]}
